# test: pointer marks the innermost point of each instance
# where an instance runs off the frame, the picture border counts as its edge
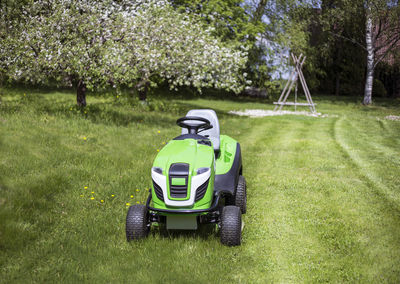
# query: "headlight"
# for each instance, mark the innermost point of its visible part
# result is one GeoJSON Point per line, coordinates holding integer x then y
{"type": "Point", "coordinates": [202, 170]}
{"type": "Point", "coordinates": [157, 170]}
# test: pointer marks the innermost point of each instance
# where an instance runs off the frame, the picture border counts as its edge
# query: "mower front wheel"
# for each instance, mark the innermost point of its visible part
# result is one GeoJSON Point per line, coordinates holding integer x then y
{"type": "Point", "coordinates": [137, 223]}
{"type": "Point", "coordinates": [231, 226]}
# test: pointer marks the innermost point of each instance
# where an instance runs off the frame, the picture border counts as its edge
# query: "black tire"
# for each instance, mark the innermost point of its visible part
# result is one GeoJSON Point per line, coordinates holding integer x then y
{"type": "Point", "coordinates": [241, 195]}
{"type": "Point", "coordinates": [231, 226]}
{"type": "Point", "coordinates": [137, 223]}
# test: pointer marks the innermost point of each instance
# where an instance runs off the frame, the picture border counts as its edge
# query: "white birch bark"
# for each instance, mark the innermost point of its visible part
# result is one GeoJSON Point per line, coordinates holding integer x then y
{"type": "Point", "coordinates": [370, 59]}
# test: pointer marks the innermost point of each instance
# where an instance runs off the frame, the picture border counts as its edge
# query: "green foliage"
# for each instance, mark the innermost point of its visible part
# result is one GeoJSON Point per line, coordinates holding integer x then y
{"type": "Point", "coordinates": [342, 39]}
{"type": "Point", "coordinates": [177, 49]}
{"type": "Point", "coordinates": [60, 41]}
{"type": "Point", "coordinates": [379, 89]}
{"type": "Point", "coordinates": [229, 18]}
{"type": "Point", "coordinates": [118, 43]}
{"type": "Point", "coordinates": [389, 74]}
{"type": "Point", "coordinates": [330, 65]}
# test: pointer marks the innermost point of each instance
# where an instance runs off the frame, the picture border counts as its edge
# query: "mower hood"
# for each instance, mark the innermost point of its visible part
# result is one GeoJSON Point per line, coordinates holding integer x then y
{"type": "Point", "coordinates": [180, 168]}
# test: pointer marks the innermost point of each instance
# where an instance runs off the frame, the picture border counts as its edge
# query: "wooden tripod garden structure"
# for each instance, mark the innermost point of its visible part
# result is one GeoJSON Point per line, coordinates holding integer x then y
{"type": "Point", "coordinates": [293, 78]}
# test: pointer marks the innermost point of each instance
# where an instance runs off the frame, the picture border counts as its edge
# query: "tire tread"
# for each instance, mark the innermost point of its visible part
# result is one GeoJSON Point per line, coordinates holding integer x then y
{"type": "Point", "coordinates": [241, 195]}
{"type": "Point", "coordinates": [231, 226]}
{"type": "Point", "coordinates": [137, 223]}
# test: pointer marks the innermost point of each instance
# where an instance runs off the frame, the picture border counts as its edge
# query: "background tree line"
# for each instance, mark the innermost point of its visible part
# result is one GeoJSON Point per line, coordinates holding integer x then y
{"type": "Point", "coordinates": [352, 47]}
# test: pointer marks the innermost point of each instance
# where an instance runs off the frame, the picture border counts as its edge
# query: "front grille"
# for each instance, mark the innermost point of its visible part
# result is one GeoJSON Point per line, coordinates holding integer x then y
{"type": "Point", "coordinates": [158, 191]}
{"type": "Point", "coordinates": [181, 171]}
{"type": "Point", "coordinates": [201, 190]}
{"type": "Point", "coordinates": [178, 191]}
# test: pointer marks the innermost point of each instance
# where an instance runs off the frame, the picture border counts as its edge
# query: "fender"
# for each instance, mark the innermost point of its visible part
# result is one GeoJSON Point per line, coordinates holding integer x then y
{"type": "Point", "coordinates": [228, 182]}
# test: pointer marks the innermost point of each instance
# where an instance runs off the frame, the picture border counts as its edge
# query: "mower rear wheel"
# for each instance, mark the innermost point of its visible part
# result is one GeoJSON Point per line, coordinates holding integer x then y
{"type": "Point", "coordinates": [137, 223]}
{"type": "Point", "coordinates": [231, 226]}
{"type": "Point", "coordinates": [240, 197]}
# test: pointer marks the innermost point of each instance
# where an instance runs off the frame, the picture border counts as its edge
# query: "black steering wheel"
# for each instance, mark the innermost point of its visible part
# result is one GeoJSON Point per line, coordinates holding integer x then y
{"type": "Point", "coordinates": [198, 124]}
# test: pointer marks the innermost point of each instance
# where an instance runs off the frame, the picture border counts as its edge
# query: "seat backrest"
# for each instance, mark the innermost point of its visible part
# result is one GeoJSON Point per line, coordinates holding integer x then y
{"type": "Point", "coordinates": [213, 133]}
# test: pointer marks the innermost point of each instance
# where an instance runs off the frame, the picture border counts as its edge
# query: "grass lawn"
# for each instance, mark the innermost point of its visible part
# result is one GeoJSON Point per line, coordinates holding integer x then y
{"type": "Point", "coordinates": [323, 193]}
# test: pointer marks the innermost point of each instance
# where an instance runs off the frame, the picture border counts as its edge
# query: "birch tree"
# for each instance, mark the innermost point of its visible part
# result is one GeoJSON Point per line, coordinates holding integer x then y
{"type": "Point", "coordinates": [381, 31]}
{"type": "Point", "coordinates": [382, 34]}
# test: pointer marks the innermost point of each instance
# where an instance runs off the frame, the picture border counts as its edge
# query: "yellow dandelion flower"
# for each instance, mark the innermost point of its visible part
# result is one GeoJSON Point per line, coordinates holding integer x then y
{"type": "Point", "coordinates": [128, 204]}
{"type": "Point", "coordinates": [102, 201]}
{"type": "Point", "coordinates": [85, 187]}
{"type": "Point", "coordinates": [92, 198]}
{"type": "Point", "coordinates": [81, 195]}
{"type": "Point", "coordinates": [92, 192]}
{"type": "Point", "coordinates": [84, 138]}
{"type": "Point", "coordinates": [131, 196]}
{"type": "Point", "coordinates": [112, 195]}
{"type": "Point", "coordinates": [163, 143]}
{"type": "Point", "coordinates": [137, 202]}
{"type": "Point", "coordinates": [158, 131]}
{"type": "Point", "coordinates": [137, 189]}
{"type": "Point", "coordinates": [158, 150]}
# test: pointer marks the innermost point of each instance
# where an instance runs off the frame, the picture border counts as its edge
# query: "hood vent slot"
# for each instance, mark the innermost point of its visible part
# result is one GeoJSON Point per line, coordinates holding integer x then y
{"type": "Point", "coordinates": [201, 190]}
{"type": "Point", "coordinates": [158, 191]}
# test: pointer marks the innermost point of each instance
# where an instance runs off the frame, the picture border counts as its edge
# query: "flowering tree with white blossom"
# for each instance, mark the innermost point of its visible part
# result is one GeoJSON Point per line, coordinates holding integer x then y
{"type": "Point", "coordinates": [94, 44]}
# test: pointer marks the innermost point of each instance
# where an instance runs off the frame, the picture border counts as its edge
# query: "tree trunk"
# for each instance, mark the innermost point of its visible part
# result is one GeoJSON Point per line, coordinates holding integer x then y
{"type": "Point", "coordinates": [81, 94]}
{"type": "Point", "coordinates": [370, 61]}
{"type": "Point", "coordinates": [142, 88]}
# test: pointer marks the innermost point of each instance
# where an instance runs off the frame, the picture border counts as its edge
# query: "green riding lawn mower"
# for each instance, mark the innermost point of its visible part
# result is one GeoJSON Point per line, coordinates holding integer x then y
{"type": "Point", "coordinates": [196, 179]}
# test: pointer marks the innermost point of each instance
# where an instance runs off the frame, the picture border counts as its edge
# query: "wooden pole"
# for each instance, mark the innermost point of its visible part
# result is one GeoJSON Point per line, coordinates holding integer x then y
{"type": "Point", "coordinates": [295, 96]}
{"type": "Point", "coordinates": [304, 85]}
{"type": "Point", "coordinates": [284, 90]}
{"type": "Point", "coordinates": [295, 74]}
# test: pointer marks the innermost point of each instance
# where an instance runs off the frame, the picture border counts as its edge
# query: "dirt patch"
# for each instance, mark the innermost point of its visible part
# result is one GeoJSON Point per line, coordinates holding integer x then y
{"type": "Point", "coordinates": [262, 113]}
{"type": "Point", "coordinates": [392, 117]}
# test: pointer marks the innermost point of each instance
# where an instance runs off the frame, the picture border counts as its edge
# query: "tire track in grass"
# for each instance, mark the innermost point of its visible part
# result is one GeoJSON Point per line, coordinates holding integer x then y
{"type": "Point", "coordinates": [374, 181]}
{"type": "Point", "coordinates": [383, 142]}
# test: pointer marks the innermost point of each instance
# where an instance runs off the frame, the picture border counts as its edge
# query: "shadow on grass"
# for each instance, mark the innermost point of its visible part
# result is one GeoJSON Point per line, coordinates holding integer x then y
{"type": "Point", "coordinates": [204, 232]}
{"type": "Point", "coordinates": [162, 109]}
{"type": "Point", "coordinates": [357, 101]}
{"type": "Point", "coordinates": [213, 95]}
{"type": "Point", "coordinates": [123, 112]}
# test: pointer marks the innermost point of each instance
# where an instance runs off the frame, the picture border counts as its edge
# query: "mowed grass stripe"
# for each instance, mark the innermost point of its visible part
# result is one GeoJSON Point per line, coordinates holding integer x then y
{"type": "Point", "coordinates": [292, 173]}
{"type": "Point", "coordinates": [273, 227]}
{"type": "Point", "coordinates": [318, 215]}
{"type": "Point", "coordinates": [367, 155]}
{"type": "Point", "coordinates": [376, 207]}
